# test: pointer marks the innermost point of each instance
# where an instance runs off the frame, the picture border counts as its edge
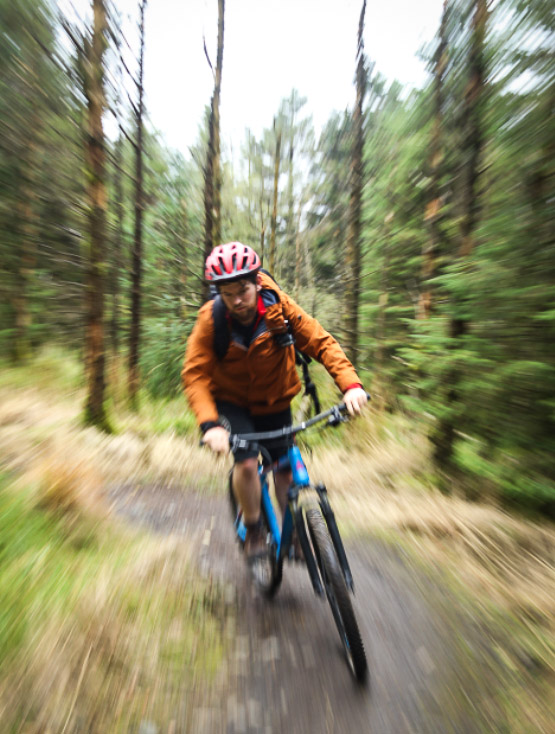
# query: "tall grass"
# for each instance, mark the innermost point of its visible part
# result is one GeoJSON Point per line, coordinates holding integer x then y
{"type": "Point", "coordinates": [84, 605]}
{"type": "Point", "coordinates": [497, 568]}
{"type": "Point", "coordinates": [101, 628]}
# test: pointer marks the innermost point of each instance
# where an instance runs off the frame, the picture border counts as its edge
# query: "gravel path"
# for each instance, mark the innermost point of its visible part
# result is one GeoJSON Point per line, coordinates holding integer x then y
{"type": "Point", "coordinates": [286, 672]}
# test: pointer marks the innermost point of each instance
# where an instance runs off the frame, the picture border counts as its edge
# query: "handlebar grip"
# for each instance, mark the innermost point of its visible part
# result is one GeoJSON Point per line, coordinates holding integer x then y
{"type": "Point", "coordinates": [341, 407]}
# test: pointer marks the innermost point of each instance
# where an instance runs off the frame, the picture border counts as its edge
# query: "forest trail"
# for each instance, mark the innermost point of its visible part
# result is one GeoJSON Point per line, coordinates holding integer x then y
{"type": "Point", "coordinates": [284, 669]}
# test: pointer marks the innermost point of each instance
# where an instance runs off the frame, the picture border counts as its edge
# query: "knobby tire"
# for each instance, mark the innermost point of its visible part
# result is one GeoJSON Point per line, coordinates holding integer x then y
{"type": "Point", "coordinates": [337, 593]}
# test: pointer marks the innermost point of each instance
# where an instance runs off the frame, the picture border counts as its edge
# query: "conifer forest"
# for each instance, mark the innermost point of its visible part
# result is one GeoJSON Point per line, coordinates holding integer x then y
{"type": "Point", "coordinates": [417, 225]}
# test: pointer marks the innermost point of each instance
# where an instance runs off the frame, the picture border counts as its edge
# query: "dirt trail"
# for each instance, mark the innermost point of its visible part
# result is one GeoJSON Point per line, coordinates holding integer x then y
{"type": "Point", "coordinates": [285, 670]}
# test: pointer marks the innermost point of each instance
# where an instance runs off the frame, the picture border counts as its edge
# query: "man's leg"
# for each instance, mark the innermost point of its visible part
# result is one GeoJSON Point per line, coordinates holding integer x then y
{"type": "Point", "coordinates": [277, 449]}
{"type": "Point", "coordinates": [244, 480]}
{"type": "Point", "coordinates": [282, 480]}
{"type": "Point", "coordinates": [246, 487]}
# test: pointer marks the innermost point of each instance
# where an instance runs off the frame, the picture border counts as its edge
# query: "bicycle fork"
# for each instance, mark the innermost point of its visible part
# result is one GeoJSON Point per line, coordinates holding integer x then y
{"type": "Point", "coordinates": [299, 524]}
{"type": "Point", "coordinates": [329, 517]}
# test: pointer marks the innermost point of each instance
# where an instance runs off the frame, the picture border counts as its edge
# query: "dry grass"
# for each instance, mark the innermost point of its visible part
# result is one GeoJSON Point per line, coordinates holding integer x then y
{"type": "Point", "coordinates": [36, 434]}
{"type": "Point", "coordinates": [374, 489]}
{"type": "Point", "coordinates": [509, 559]}
{"type": "Point", "coordinates": [106, 659]}
{"type": "Point", "coordinates": [128, 647]}
{"type": "Point", "coordinates": [105, 628]}
{"type": "Point", "coordinates": [498, 563]}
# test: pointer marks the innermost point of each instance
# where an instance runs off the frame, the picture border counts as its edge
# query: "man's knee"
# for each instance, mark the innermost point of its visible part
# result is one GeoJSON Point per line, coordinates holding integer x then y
{"type": "Point", "coordinates": [247, 469]}
{"type": "Point", "coordinates": [283, 477]}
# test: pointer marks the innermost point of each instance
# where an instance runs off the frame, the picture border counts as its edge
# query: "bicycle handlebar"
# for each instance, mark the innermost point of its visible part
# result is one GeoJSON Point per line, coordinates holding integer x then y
{"type": "Point", "coordinates": [334, 417]}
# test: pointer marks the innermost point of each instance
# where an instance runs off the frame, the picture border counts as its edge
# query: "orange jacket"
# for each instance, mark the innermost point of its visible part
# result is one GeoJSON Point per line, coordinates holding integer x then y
{"type": "Point", "coordinates": [263, 378]}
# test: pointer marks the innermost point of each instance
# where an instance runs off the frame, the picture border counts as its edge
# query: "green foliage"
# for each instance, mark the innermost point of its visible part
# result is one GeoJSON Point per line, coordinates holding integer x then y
{"type": "Point", "coordinates": [493, 384]}
{"type": "Point", "coordinates": [53, 368]}
{"type": "Point", "coordinates": [62, 589]}
{"type": "Point", "coordinates": [164, 342]}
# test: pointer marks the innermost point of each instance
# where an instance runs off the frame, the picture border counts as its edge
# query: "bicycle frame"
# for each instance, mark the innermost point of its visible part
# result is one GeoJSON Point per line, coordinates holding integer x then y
{"type": "Point", "coordinates": [283, 536]}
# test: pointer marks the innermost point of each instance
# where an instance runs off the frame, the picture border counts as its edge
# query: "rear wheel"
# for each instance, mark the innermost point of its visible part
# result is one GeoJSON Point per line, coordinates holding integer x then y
{"type": "Point", "coordinates": [337, 593]}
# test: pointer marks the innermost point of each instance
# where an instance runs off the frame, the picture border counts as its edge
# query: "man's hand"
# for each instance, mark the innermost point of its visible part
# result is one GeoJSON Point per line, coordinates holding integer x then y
{"type": "Point", "coordinates": [217, 439]}
{"type": "Point", "coordinates": [355, 399]}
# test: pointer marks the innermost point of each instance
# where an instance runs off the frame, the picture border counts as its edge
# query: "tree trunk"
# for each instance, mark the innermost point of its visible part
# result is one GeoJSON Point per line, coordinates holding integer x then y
{"type": "Point", "coordinates": [383, 299]}
{"type": "Point", "coordinates": [298, 255]}
{"type": "Point", "coordinates": [117, 237]}
{"type": "Point", "coordinates": [181, 249]}
{"type": "Point", "coordinates": [27, 238]}
{"type": "Point", "coordinates": [291, 238]}
{"type": "Point", "coordinates": [212, 173]}
{"type": "Point", "coordinates": [443, 438]}
{"type": "Point", "coordinates": [431, 248]}
{"type": "Point", "coordinates": [95, 162]}
{"type": "Point", "coordinates": [274, 210]}
{"type": "Point", "coordinates": [249, 149]}
{"type": "Point", "coordinates": [353, 249]}
{"type": "Point", "coordinates": [262, 227]}
{"type": "Point", "coordinates": [118, 245]}
{"type": "Point", "coordinates": [26, 216]}
{"type": "Point", "coordinates": [217, 235]}
{"type": "Point", "coordinates": [135, 333]}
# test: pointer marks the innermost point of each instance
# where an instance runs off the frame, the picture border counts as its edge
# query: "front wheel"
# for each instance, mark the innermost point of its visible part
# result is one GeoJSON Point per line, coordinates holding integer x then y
{"type": "Point", "coordinates": [337, 593]}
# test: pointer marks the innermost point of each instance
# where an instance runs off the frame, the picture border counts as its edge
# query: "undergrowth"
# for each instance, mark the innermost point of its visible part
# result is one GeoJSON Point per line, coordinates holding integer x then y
{"type": "Point", "coordinates": [94, 619]}
{"type": "Point", "coordinates": [101, 593]}
{"type": "Point", "coordinates": [101, 628]}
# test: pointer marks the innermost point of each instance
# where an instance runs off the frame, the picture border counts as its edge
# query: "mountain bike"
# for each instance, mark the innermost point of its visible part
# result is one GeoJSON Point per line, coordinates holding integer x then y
{"type": "Point", "coordinates": [310, 518]}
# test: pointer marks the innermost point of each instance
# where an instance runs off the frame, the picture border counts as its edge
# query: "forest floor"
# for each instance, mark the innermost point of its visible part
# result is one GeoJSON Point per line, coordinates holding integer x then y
{"type": "Point", "coordinates": [130, 609]}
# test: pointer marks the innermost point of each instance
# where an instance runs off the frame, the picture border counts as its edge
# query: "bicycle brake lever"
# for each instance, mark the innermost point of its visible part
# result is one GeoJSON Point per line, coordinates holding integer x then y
{"type": "Point", "coordinates": [238, 443]}
{"type": "Point", "coordinates": [336, 418]}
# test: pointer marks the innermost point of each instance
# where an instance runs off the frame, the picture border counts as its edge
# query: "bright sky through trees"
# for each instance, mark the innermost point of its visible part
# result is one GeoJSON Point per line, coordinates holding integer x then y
{"type": "Point", "coordinates": [271, 46]}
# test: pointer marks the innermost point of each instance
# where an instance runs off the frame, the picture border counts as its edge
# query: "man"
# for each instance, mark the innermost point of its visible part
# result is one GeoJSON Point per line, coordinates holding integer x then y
{"type": "Point", "coordinates": [248, 386]}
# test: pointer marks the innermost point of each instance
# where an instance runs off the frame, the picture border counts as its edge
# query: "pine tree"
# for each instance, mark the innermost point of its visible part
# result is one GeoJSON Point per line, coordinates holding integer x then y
{"type": "Point", "coordinates": [212, 172]}
{"type": "Point", "coordinates": [96, 175]}
{"type": "Point", "coordinates": [353, 249]}
{"type": "Point", "coordinates": [135, 332]}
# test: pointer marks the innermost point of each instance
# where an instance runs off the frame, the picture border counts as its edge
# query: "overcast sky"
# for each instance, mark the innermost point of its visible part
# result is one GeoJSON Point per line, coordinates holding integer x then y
{"type": "Point", "coordinates": [270, 46]}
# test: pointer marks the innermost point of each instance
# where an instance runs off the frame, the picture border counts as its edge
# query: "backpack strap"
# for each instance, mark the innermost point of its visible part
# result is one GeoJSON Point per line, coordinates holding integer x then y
{"type": "Point", "coordinates": [222, 336]}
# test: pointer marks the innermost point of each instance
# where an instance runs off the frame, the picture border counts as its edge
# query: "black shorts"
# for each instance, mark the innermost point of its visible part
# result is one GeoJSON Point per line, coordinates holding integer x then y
{"type": "Point", "coordinates": [239, 420]}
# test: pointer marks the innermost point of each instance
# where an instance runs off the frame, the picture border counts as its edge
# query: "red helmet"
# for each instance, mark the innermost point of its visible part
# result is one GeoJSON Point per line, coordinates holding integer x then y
{"type": "Point", "coordinates": [230, 261]}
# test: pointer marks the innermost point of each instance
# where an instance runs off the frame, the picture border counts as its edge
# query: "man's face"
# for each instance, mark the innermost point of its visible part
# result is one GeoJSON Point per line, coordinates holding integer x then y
{"type": "Point", "coordinates": [240, 299]}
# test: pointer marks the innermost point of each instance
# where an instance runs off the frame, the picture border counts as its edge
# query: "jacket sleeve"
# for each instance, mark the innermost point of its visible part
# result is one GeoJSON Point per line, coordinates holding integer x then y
{"type": "Point", "coordinates": [199, 366]}
{"type": "Point", "coordinates": [312, 339]}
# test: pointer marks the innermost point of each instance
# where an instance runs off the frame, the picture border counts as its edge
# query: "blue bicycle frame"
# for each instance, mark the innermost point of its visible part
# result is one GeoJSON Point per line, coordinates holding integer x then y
{"type": "Point", "coordinates": [282, 536]}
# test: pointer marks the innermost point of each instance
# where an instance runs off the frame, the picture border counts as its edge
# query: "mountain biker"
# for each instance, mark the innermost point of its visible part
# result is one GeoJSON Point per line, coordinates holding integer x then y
{"type": "Point", "coordinates": [250, 387]}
